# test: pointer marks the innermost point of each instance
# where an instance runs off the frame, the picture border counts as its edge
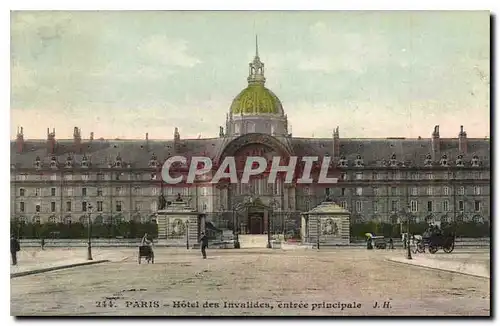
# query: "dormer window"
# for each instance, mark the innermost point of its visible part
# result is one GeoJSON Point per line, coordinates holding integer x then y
{"type": "Point", "coordinates": [392, 161]}
{"type": "Point", "coordinates": [359, 161]}
{"type": "Point", "coordinates": [118, 161]}
{"type": "Point", "coordinates": [460, 160]}
{"type": "Point", "coordinates": [69, 162]}
{"type": "Point", "coordinates": [153, 162]}
{"type": "Point", "coordinates": [53, 162]}
{"type": "Point", "coordinates": [428, 160]}
{"type": "Point", "coordinates": [343, 161]}
{"type": "Point", "coordinates": [475, 161]}
{"type": "Point", "coordinates": [85, 162]}
{"type": "Point", "coordinates": [444, 160]}
{"type": "Point", "coordinates": [38, 163]}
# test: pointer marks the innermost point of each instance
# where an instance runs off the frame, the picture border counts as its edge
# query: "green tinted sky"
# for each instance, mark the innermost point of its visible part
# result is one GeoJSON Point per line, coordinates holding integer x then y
{"type": "Point", "coordinates": [375, 74]}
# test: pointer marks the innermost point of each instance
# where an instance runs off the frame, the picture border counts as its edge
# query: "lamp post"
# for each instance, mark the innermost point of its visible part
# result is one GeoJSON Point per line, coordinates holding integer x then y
{"type": "Point", "coordinates": [408, 252]}
{"type": "Point", "coordinates": [236, 208]}
{"type": "Point", "coordinates": [187, 234]}
{"type": "Point", "coordinates": [89, 244]}
{"type": "Point", "coordinates": [274, 206]}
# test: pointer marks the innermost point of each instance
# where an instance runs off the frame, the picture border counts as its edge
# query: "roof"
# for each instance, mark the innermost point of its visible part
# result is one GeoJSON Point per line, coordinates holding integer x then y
{"type": "Point", "coordinates": [138, 153]}
{"type": "Point", "coordinates": [256, 99]}
{"type": "Point", "coordinates": [328, 208]}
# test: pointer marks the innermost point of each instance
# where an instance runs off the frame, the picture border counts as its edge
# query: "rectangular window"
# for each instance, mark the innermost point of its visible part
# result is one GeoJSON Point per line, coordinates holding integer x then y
{"type": "Point", "coordinates": [99, 191]}
{"type": "Point", "coordinates": [53, 177]}
{"type": "Point", "coordinates": [84, 206]}
{"type": "Point", "coordinates": [394, 206]}
{"type": "Point", "coordinates": [359, 175]}
{"type": "Point", "coordinates": [154, 206]}
{"type": "Point", "coordinates": [461, 191]}
{"type": "Point", "coordinates": [376, 191]}
{"type": "Point", "coordinates": [429, 206]}
{"type": "Point", "coordinates": [118, 206]}
{"type": "Point", "coordinates": [22, 192]}
{"type": "Point", "coordinates": [359, 206]}
{"type": "Point", "coordinates": [37, 208]}
{"type": "Point", "coordinates": [414, 206]}
{"type": "Point", "coordinates": [477, 190]}
{"type": "Point", "coordinates": [138, 205]}
{"type": "Point", "coordinates": [429, 191]}
{"type": "Point", "coordinates": [394, 191]}
{"type": "Point", "coordinates": [414, 176]}
{"type": "Point", "coordinates": [327, 192]}
{"type": "Point", "coordinates": [85, 177]}
{"type": "Point", "coordinates": [21, 207]}
{"type": "Point", "coordinates": [118, 191]}
{"type": "Point", "coordinates": [380, 176]}
{"type": "Point", "coordinates": [38, 192]}
{"type": "Point", "coordinates": [138, 176]}
{"type": "Point", "coordinates": [84, 191]}
{"type": "Point", "coordinates": [23, 177]}
{"type": "Point", "coordinates": [53, 206]}
{"type": "Point", "coordinates": [414, 191]}
{"type": "Point", "coordinates": [446, 206]}
{"type": "Point", "coordinates": [52, 191]}
{"type": "Point", "coordinates": [477, 205]}
{"type": "Point", "coordinates": [342, 192]}
{"type": "Point", "coordinates": [137, 191]}
{"type": "Point", "coordinates": [154, 191]}
{"type": "Point", "coordinates": [359, 191]}
{"type": "Point", "coordinates": [100, 176]}
{"type": "Point", "coordinates": [68, 177]}
{"type": "Point", "coordinates": [429, 175]}
{"type": "Point", "coordinates": [68, 206]}
{"type": "Point", "coordinates": [461, 206]}
{"type": "Point", "coordinates": [446, 191]}
{"type": "Point", "coordinates": [343, 204]}
{"type": "Point", "coordinates": [99, 206]}
{"type": "Point", "coordinates": [375, 176]}
{"type": "Point", "coordinates": [69, 191]}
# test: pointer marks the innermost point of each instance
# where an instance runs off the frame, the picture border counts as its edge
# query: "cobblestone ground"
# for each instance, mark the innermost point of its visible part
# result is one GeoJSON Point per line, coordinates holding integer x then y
{"type": "Point", "coordinates": [272, 282]}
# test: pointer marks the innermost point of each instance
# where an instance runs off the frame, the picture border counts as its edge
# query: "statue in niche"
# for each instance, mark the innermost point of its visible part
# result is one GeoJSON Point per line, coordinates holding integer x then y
{"type": "Point", "coordinates": [162, 202]}
{"type": "Point", "coordinates": [178, 197]}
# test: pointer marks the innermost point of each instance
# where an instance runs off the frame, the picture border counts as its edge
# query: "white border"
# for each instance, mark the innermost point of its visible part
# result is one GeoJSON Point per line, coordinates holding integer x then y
{"type": "Point", "coordinates": [190, 5]}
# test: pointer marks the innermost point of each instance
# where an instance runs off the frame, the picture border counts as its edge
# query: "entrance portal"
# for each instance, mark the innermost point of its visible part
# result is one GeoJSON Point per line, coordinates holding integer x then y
{"type": "Point", "coordinates": [255, 223]}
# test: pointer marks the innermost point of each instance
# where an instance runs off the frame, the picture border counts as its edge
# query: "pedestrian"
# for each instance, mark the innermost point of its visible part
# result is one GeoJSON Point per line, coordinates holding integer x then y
{"type": "Point", "coordinates": [14, 248]}
{"type": "Point", "coordinates": [391, 243]}
{"type": "Point", "coordinates": [43, 243]}
{"type": "Point", "coordinates": [204, 244]}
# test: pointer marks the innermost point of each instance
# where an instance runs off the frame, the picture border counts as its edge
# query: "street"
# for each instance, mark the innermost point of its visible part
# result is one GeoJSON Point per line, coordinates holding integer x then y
{"type": "Point", "coordinates": [251, 282]}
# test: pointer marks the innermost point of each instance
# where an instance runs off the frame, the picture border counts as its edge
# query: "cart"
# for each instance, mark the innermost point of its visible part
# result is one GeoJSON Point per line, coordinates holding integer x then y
{"type": "Point", "coordinates": [146, 252]}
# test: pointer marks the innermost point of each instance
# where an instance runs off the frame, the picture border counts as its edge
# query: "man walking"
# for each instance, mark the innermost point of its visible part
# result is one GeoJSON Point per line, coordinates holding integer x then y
{"type": "Point", "coordinates": [204, 244]}
{"type": "Point", "coordinates": [14, 248]}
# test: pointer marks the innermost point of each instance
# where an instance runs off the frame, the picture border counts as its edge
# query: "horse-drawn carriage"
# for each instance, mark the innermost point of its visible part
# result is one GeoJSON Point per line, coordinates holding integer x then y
{"type": "Point", "coordinates": [434, 240]}
{"type": "Point", "coordinates": [146, 252]}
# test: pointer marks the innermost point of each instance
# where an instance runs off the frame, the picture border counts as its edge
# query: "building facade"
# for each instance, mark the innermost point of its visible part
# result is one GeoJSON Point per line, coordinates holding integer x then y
{"type": "Point", "coordinates": [435, 178]}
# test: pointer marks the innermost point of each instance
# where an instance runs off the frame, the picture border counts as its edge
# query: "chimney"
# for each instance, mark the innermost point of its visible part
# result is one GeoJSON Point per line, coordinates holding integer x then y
{"type": "Point", "coordinates": [92, 136]}
{"type": "Point", "coordinates": [221, 132]}
{"type": "Point", "coordinates": [462, 141]}
{"type": "Point", "coordinates": [177, 138]}
{"type": "Point", "coordinates": [435, 144]}
{"type": "Point", "coordinates": [77, 140]}
{"type": "Point", "coordinates": [147, 141]}
{"type": "Point", "coordinates": [336, 144]}
{"type": "Point", "coordinates": [20, 140]}
{"type": "Point", "coordinates": [51, 141]}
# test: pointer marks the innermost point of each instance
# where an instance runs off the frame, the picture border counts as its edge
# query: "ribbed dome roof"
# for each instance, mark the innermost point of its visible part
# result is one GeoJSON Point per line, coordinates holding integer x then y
{"type": "Point", "coordinates": [256, 99]}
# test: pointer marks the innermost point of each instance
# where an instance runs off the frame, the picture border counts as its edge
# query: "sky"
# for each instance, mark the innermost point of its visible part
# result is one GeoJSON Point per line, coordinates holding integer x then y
{"type": "Point", "coordinates": [373, 74]}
